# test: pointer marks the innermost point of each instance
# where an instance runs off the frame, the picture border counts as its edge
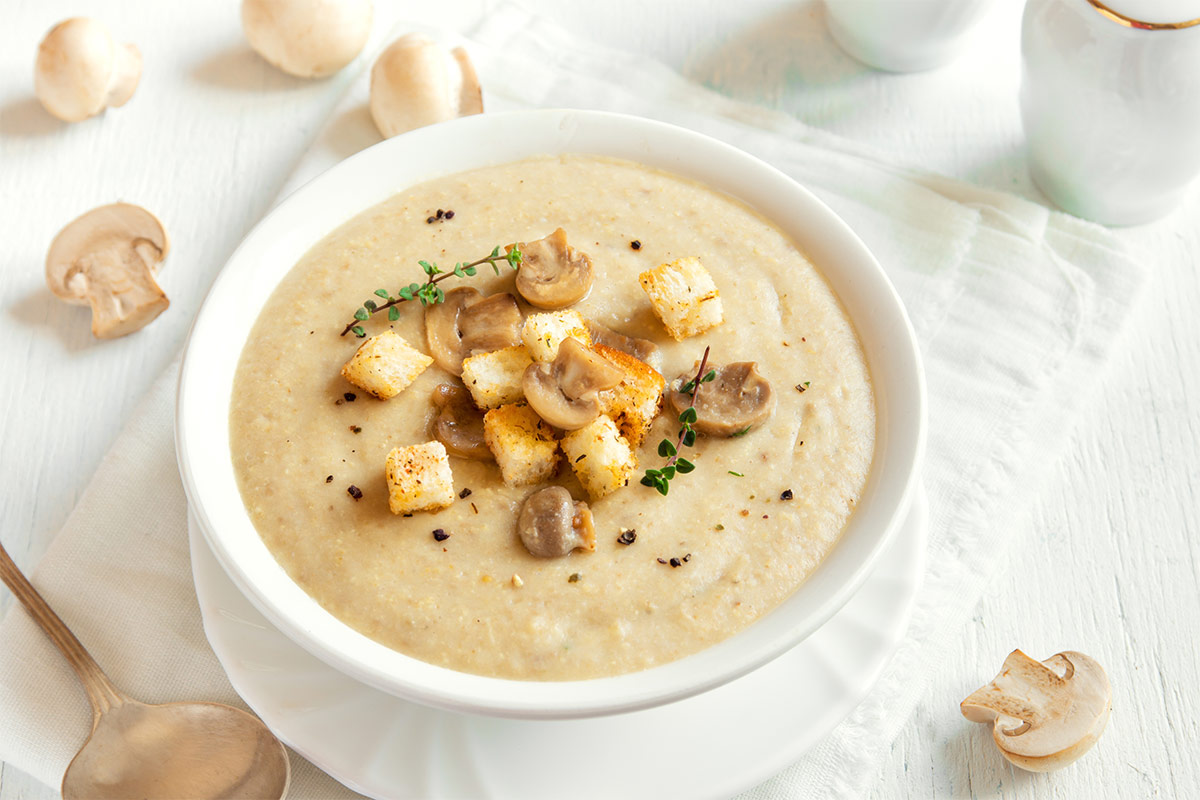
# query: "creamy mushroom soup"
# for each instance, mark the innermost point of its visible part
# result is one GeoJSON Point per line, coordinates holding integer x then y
{"type": "Point", "coordinates": [670, 574]}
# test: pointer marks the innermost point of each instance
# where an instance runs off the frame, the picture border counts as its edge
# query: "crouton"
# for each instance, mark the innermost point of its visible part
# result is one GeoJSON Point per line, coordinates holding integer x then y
{"type": "Point", "coordinates": [418, 478]}
{"type": "Point", "coordinates": [494, 379]}
{"type": "Point", "coordinates": [684, 297]}
{"type": "Point", "coordinates": [385, 365]}
{"type": "Point", "coordinates": [524, 445]}
{"type": "Point", "coordinates": [600, 457]}
{"type": "Point", "coordinates": [636, 400]}
{"type": "Point", "coordinates": [543, 333]}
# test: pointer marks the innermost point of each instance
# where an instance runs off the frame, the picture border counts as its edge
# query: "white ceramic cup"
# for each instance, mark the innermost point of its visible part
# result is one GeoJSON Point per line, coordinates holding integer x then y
{"type": "Point", "coordinates": [903, 35]}
{"type": "Point", "coordinates": [1111, 104]}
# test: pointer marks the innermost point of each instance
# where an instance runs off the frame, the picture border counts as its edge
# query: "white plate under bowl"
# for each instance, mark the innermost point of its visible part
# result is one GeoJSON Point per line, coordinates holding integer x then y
{"type": "Point", "coordinates": [271, 249]}
{"type": "Point", "coordinates": [711, 746]}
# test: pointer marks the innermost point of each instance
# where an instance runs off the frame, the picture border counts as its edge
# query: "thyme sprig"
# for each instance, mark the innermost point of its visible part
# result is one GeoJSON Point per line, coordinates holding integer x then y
{"type": "Point", "coordinates": [429, 293]}
{"type": "Point", "coordinates": [660, 479]}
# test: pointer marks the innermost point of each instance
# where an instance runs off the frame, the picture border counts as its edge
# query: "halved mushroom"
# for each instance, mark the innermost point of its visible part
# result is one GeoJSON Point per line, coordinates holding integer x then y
{"type": "Point", "coordinates": [467, 323]}
{"type": "Point", "coordinates": [642, 349]}
{"type": "Point", "coordinates": [107, 259]}
{"type": "Point", "coordinates": [736, 399]}
{"type": "Point", "coordinates": [552, 524]}
{"type": "Point", "coordinates": [1044, 714]}
{"type": "Point", "coordinates": [553, 274]}
{"type": "Point", "coordinates": [81, 70]}
{"type": "Point", "coordinates": [459, 424]}
{"type": "Point", "coordinates": [417, 81]}
{"type": "Point", "coordinates": [565, 392]}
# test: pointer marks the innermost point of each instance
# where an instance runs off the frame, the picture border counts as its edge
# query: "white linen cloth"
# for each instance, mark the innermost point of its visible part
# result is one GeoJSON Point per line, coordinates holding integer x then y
{"type": "Point", "coordinates": [1015, 307]}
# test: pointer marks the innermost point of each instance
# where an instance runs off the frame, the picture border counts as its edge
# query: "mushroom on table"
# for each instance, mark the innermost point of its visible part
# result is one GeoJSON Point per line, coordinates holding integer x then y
{"type": "Point", "coordinates": [416, 82]}
{"type": "Point", "coordinates": [307, 38]}
{"type": "Point", "coordinates": [1044, 714]}
{"type": "Point", "coordinates": [81, 70]}
{"type": "Point", "coordinates": [107, 259]}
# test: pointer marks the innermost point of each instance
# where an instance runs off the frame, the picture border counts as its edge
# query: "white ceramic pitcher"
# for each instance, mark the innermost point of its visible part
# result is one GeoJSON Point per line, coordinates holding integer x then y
{"type": "Point", "coordinates": [903, 35]}
{"type": "Point", "coordinates": [1110, 100]}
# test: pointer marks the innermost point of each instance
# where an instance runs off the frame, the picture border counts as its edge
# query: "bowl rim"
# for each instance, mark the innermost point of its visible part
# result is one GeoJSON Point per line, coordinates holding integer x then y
{"type": "Point", "coordinates": [365, 179]}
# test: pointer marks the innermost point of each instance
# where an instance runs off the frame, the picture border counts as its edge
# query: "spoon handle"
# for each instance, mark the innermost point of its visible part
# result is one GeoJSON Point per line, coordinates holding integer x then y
{"type": "Point", "coordinates": [99, 688]}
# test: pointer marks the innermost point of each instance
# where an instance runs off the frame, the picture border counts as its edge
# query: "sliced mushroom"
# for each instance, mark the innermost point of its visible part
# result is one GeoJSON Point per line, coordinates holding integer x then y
{"type": "Point", "coordinates": [467, 323]}
{"type": "Point", "coordinates": [81, 70]}
{"type": "Point", "coordinates": [565, 392]}
{"type": "Point", "coordinates": [459, 424]}
{"type": "Point", "coordinates": [643, 350]}
{"type": "Point", "coordinates": [736, 399]}
{"type": "Point", "coordinates": [417, 81]}
{"type": "Point", "coordinates": [307, 38]}
{"type": "Point", "coordinates": [552, 524]}
{"type": "Point", "coordinates": [553, 274]}
{"type": "Point", "coordinates": [1044, 714]}
{"type": "Point", "coordinates": [107, 259]}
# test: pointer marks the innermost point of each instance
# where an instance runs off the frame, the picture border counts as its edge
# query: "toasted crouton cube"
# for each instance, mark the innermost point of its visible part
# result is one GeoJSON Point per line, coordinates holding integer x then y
{"type": "Point", "coordinates": [524, 445]}
{"type": "Point", "coordinates": [684, 297]}
{"type": "Point", "coordinates": [600, 457]}
{"type": "Point", "coordinates": [418, 478]}
{"type": "Point", "coordinates": [636, 400]}
{"type": "Point", "coordinates": [494, 379]}
{"type": "Point", "coordinates": [543, 333]}
{"type": "Point", "coordinates": [385, 365]}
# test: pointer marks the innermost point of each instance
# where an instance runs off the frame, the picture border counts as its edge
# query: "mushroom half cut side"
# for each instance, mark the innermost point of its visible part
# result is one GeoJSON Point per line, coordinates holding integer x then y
{"type": "Point", "coordinates": [1044, 714]}
{"type": "Point", "coordinates": [107, 259]}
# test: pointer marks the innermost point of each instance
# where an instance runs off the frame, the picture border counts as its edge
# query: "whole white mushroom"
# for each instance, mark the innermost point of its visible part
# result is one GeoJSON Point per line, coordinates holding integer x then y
{"type": "Point", "coordinates": [81, 70]}
{"type": "Point", "coordinates": [417, 81]}
{"type": "Point", "coordinates": [307, 38]}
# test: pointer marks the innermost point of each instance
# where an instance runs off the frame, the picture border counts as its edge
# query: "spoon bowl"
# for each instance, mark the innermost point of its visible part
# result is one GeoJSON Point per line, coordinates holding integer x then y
{"type": "Point", "coordinates": [194, 750]}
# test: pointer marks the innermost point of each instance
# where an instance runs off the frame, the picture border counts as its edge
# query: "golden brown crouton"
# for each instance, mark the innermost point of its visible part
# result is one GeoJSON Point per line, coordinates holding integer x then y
{"type": "Point", "coordinates": [418, 478]}
{"type": "Point", "coordinates": [524, 445]}
{"type": "Point", "coordinates": [494, 379]}
{"type": "Point", "coordinates": [635, 402]}
{"type": "Point", "coordinates": [543, 333]}
{"type": "Point", "coordinates": [684, 297]}
{"type": "Point", "coordinates": [600, 457]}
{"type": "Point", "coordinates": [385, 365]}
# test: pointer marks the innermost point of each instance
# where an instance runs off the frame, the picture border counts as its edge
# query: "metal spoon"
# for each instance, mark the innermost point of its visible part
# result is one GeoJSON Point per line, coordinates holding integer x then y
{"type": "Point", "coordinates": [176, 750]}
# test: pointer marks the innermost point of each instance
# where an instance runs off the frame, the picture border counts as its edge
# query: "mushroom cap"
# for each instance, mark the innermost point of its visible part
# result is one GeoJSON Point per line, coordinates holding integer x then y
{"type": "Point", "coordinates": [643, 350]}
{"type": "Point", "coordinates": [552, 524]}
{"type": "Point", "coordinates": [736, 398]}
{"type": "Point", "coordinates": [467, 323]}
{"type": "Point", "coordinates": [552, 274]}
{"type": "Point", "coordinates": [459, 424]}
{"type": "Point", "coordinates": [1044, 714]}
{"type": "Point", "coordinates": [307, 38]}
{"type": "Point", "coordinates": [107, 258]}
{"type": "Point", "coordinates": [565, 392]}
{"type": "Point", "coordinates": [416, 82]}
{"type": "Point", "coordinates": [81, 70]}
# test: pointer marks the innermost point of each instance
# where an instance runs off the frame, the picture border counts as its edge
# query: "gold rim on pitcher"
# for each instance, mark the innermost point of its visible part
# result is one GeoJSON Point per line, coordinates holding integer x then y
{"type": "Point", "coordinates": [1130, 22]}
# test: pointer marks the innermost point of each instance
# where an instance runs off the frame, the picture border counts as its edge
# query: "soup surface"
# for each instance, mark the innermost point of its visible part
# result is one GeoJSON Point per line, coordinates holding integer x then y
{"type": "Point", "coordinates": [753, 520]}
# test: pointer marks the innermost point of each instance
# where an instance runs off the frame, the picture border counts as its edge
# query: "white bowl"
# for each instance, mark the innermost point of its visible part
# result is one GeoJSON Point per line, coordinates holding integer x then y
{"type": "Point", "coordinates": [304, 218]}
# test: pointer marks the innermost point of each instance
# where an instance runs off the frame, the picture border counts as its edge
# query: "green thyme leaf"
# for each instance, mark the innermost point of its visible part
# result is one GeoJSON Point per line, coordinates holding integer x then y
{"type": "Point", "coordinates": [382, 293]}
{"type": "Point", "coordinates": [369, 305]}
{"type": "Point", "coordinates": [684, 466]}
{"type": "Point", "coordinates": [666, 449]}
{"type": "Point", "coordinates": [358, 331]}
{"type": "Point", "coordinates": [742, 432]}
{"type": "Point", "coordinates": [393, 314]}
{"type": "Point", "coordinates": [361, 315]}
{"type": "Point", "coordinates": [738, 474]}
{"type": "Point", "coordinates": [688, 416]}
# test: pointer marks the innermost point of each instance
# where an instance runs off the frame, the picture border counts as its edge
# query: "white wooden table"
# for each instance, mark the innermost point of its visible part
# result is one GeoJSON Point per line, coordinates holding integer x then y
{"type": "Point", "coordinates": [1111, 563]}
